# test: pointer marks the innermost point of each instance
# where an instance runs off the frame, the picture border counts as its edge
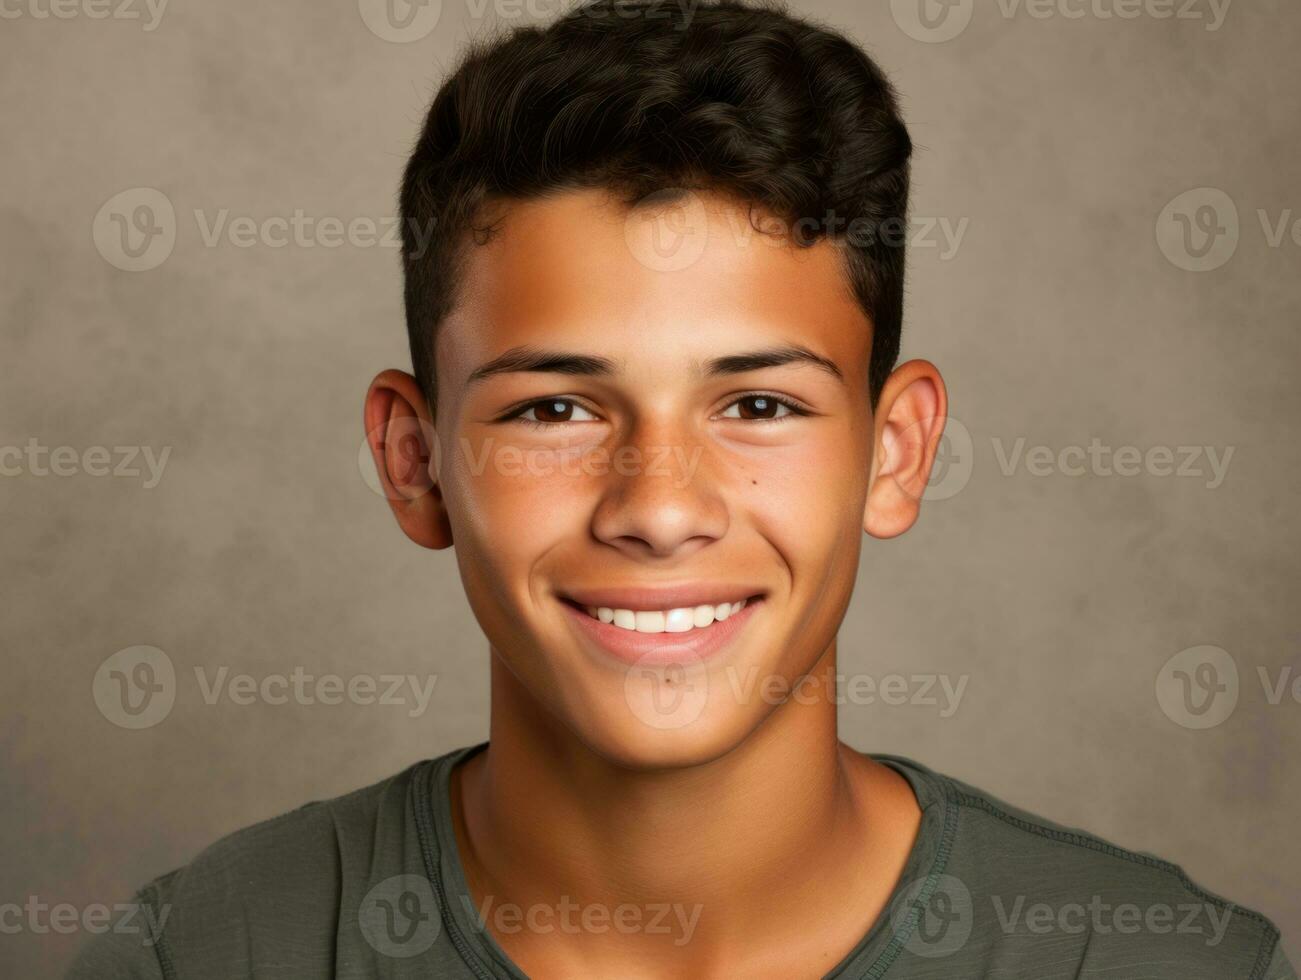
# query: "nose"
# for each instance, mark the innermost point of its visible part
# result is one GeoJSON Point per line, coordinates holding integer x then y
{"type": "Point", "coordinates": [659, 501]}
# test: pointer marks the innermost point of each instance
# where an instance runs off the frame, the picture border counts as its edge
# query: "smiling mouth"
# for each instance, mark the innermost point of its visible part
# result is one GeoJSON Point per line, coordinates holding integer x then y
{"type": "Point", "coordinates": [641, 626]}
{"type": "Point", "coordinates": [683, 619]}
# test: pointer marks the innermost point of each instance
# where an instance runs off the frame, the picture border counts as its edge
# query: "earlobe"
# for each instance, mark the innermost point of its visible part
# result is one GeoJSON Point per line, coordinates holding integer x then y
{"type": "Point", "coordinates": [404, 447]}
{"type": "Point", "coordinates": [910, 422]}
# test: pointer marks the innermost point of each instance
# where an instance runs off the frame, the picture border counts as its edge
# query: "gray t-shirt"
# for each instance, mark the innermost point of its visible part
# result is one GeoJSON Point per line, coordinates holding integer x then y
{"type": "Point", "coordinates": [370, 885]}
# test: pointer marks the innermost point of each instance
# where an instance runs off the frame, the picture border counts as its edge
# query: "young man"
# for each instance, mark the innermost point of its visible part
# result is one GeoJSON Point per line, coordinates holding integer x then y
{"type": "Point", "coordinates": [655, 403]}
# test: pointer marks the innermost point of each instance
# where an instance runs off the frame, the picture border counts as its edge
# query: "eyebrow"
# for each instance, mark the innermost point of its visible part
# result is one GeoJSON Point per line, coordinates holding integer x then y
{"type": "Point", "coordinates": [519, 359]}
{"type": "Point", "coordinates": [534, 359]}
{"type": "Point", "coordinates": [772, 357]}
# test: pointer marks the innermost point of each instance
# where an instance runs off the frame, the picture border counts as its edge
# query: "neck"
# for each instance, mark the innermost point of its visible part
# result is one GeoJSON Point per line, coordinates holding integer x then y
{"type": "Point", "coordinates": [543, 819]}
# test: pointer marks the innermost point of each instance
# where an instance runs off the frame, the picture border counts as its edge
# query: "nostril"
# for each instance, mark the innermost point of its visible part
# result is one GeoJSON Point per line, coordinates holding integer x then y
{"type": "Point", "coordinates": [644, 520]}
{"type": "Point", "coordinates": [654, 546]}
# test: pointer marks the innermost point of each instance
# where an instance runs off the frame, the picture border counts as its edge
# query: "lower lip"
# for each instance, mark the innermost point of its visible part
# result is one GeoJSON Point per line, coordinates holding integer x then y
{"type": "Point", "coordinates": [632, 647]}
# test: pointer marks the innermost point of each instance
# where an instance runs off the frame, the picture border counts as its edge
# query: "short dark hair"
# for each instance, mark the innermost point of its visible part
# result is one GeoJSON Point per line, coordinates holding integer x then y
{"type": "Point", "coordinates": [635, 96]}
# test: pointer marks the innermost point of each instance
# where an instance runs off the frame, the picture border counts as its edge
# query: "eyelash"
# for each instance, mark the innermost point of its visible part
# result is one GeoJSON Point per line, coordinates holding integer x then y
{"type": "Point", "coordinates": [795, 408]}
{"type": "Point", "coordinates": [516, 414]}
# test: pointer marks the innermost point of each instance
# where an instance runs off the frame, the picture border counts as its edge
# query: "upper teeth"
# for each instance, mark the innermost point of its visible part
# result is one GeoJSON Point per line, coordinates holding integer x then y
{"type": "Point", "coordinates": [666, 620]}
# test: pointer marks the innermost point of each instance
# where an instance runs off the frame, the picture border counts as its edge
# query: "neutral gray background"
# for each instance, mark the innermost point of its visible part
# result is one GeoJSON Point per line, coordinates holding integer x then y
{"type": "Point", "coordinates": [1059, 319]}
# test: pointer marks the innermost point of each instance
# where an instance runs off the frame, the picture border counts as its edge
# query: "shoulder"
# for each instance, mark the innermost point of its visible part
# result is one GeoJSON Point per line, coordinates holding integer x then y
{"type": "Point", "coordinates": [288, 876]}
{"type": "Point", "coordinates": [1039, 891]}
{"type": "Point", "coordinates": [295, 854]}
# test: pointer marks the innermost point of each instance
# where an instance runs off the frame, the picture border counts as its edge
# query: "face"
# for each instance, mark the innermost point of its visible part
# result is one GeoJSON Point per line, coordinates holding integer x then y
{"type": "Point", "coordinates": [654, 464]}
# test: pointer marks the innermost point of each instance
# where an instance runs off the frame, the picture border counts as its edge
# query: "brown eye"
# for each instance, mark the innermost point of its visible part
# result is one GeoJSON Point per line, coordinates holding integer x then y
{"type": "Point", "coordinates": [554, 411]}
{"type": "Point", "coordinates": [757, 408]}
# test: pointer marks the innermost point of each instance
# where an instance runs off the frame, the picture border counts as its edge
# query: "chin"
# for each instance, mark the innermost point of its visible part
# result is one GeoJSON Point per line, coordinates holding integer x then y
{"type": "Point", "coordinates": [653, 730]}
{"type": "Point", "coordinates": [654, 702]}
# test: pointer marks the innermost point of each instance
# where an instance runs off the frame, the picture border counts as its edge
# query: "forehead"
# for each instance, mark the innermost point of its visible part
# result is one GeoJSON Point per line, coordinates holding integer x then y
{"type": "Point", "coordinates": [681, 281]}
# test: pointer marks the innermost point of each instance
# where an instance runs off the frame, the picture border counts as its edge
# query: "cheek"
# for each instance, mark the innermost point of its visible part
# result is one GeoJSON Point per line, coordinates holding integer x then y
{"type": "Point", "coordinates": [509, 504]}
{"type": "Point", "coordinates": [806, 496]}
{"type": "Point", "coordinates": [512, 505]}
{"type": "Point", "coordinates": [806, 501]}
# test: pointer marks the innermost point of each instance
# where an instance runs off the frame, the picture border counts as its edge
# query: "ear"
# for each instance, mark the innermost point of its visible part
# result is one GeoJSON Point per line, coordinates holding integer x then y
{"type": "Point", "coordinates": [909, 423]}
{"type": "Point", "coordinates": [404, 445]}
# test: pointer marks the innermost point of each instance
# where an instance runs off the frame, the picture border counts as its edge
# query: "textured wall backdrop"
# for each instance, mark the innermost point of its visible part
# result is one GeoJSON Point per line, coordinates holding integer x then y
{"type": "Point", "coordinates": [198, 283]}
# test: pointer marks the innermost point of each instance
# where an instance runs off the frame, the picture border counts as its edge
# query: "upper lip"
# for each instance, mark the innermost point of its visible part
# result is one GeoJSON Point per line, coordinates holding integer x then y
{"type": "Point", "coordinates": [646, 597]}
